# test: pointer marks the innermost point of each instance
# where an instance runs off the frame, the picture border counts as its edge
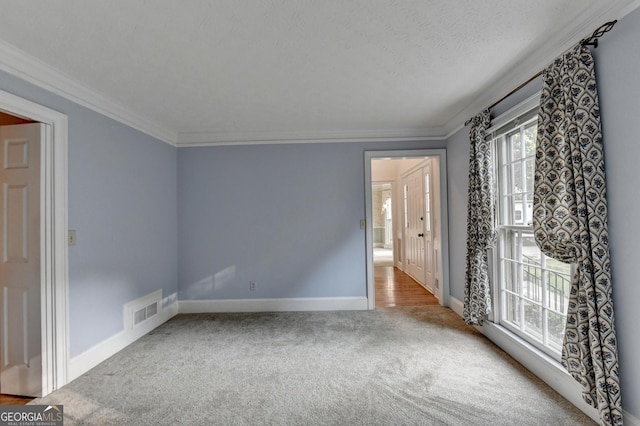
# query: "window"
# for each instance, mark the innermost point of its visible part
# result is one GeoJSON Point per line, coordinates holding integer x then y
{"type": "Point", "coordinates": [531, 289]}
{"type": "Point", "coordinates": [405, 199]}
{"type": "Point", "coordinates": [427, 202]}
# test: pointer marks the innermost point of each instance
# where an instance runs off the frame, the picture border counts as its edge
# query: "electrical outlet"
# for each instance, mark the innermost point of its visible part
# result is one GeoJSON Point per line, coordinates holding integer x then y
{"type": "Point", "coordinates": [72, 237]}
{"type": "Point", "coordinates": [252, 286]}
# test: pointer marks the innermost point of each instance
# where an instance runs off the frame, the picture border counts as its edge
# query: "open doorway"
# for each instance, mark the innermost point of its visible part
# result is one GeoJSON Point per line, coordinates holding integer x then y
{"type": "Point", "coordinates": [407, 248]}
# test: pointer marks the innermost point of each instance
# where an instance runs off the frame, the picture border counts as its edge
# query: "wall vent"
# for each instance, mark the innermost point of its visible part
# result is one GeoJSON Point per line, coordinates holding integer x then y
{"type": "Point", "coordinates": [140, 310]}
{"type": "Point", "coordinates": [145, 313]}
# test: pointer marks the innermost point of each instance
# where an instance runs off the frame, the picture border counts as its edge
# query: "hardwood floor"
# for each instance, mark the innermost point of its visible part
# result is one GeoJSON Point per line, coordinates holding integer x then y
{"type": "Point", "coordinates": [395, 288]}
{"type": "Point", "coordinates": [14, 400]}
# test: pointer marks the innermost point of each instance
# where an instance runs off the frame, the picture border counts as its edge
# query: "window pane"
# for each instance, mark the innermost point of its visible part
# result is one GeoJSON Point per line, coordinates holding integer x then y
{"type": "Point", "coordinates": [556, 326]}
{"type": "Point", "coordinates": [558, 288]}
{"type": "Point", "coordinates": [517, 177]}
{"type": "Point", "coordinates": [530, 251]}
{"type": "Point", "coordinates": [529, 169]}
{"type": "Point", "coordinates": [511, 277]}
{"type": "Point", "coordinates": [530, 134]}
{"type": "Point", "coordinates": [556, 265]}
{"type": "Point", "coordinates": [517, 210]}
{"type": "Point", "coordinates": [516, 149]}
{"type": "Point", "coordinates": [405, 196]}
{"type": "Point", "coordinates": [512, 309]}
{"type": "Point", "coordinates": [532, 283]}
{"type": "Point", "coordinates": [533, 319]}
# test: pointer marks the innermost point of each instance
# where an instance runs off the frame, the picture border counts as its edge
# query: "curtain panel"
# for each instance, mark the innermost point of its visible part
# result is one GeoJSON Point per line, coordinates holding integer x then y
{"type": "Point", "coordinates": [570, 223]}
{"type": "Point", "coordinates": [481, 234]}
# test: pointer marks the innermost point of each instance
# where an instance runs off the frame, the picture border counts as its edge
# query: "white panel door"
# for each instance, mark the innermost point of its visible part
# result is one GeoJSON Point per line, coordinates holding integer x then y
{"type": "Point", "coordinates": [414, 226]}
{"type": "Point", "coordinates": [20, 352]}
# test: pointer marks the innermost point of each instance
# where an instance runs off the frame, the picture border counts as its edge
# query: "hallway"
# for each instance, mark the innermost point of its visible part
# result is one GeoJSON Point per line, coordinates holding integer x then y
{"type": "Point", "coordinates": [394, 287]}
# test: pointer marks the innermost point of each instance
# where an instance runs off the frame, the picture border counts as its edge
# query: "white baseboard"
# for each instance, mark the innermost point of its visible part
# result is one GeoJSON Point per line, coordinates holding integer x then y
{"type": "Point", "coordinates": [274, 305]}
{"type": "Point", "coordinates": [456, 305]}
{"type": "Point", "coordinates": [87, 360]}
{"type": "Point", "coordinates": [540, 364]}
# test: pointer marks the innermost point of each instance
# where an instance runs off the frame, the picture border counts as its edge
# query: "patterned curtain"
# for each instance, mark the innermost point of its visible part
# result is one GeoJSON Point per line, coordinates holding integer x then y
{"type": "Point", "coordinates": [481, 234]}
{"type": "Point", "coordinates": [570, 223]}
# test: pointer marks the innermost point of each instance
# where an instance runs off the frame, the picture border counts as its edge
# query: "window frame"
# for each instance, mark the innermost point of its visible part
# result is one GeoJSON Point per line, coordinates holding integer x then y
{"type": "Point", "coordinates": [518, 119]}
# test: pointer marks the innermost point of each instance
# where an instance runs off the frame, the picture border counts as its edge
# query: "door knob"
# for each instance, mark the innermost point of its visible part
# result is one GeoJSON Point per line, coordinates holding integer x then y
{"type": "Point", "coordinates": [420, 235]}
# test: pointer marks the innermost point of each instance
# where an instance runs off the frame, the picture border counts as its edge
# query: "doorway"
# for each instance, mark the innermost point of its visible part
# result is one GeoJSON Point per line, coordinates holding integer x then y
{"type": "Point", "coordinates": [417, 179]}
{"type": "Point", "coordinates": [52, 227]}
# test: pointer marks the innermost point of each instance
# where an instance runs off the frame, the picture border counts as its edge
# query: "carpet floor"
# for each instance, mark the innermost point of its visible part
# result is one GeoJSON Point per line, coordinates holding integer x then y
{"type": "Point", "coordinates": [395, 366]}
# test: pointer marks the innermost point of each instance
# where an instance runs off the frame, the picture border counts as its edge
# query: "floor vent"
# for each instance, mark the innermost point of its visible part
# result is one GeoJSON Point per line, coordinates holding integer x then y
{"type": "Point", "coordinates": [140, 310]}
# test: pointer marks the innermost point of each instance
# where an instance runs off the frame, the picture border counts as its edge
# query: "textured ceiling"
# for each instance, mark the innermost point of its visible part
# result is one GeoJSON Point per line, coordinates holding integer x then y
{"type": "Point", "coordinates": [250, 70]}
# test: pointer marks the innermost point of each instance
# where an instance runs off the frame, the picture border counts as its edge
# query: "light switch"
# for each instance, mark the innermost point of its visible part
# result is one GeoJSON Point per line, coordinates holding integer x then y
{"type": "Point", "coordinates": [363, 224]}
{"type": "Point", "coordinates": [72, 237]}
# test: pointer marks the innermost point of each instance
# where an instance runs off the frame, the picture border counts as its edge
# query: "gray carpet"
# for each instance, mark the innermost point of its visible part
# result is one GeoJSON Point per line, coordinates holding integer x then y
{"type": "Point", "coordinates": [399, 366]}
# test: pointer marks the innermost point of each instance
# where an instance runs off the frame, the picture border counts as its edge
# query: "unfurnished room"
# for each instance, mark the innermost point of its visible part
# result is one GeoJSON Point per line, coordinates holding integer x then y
{"type": "Point", "coordinates": [290, 212]}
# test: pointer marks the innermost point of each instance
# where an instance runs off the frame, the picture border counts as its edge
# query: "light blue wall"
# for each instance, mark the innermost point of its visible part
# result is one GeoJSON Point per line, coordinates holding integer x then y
{"type": "Point", "coordinates": [457, 186]}
{"type": "Point", "coordinates": [617, 65]}
{"type": "Point", "coordinates": [286, 216]}
{"type": "Point", "coordinates": [122, 202]}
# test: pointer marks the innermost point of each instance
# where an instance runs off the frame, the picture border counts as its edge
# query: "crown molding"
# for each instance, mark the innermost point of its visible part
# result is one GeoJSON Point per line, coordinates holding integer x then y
{"type": "Point", "coordinates": [555, 45]}
{"type": "Point", "coordinates": [32, 70]}
{"type": "Point", "coordinates": [193, 139]}
{"type": "Point", "coordinates": [26, 67]}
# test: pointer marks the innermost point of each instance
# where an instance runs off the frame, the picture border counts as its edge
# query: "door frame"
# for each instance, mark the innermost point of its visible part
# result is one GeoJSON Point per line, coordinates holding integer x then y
{"type": "Point", "coordinates": [54, 282]}
{"type": "Point", "coordinates": [441, 154]}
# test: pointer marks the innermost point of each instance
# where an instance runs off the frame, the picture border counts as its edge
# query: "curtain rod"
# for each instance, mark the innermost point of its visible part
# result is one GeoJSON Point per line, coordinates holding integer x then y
{"type": "Point", "coordinates": [593, 40]}
{"type": "Point", "coordinates": [589, 41]}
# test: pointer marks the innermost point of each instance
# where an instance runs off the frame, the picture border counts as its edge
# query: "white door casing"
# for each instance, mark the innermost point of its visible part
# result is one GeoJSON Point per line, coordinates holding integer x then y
{"type": "Point", "coordinates": [436, 233]}
{"type": "Point", "coordinates": [440, 220]}
{"type": "Point", "coordinates": [428, 228]}
{"type": "Point", "coordinates": [20, 336]}
{"type": "Point", "coordinates": [53, 238]}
